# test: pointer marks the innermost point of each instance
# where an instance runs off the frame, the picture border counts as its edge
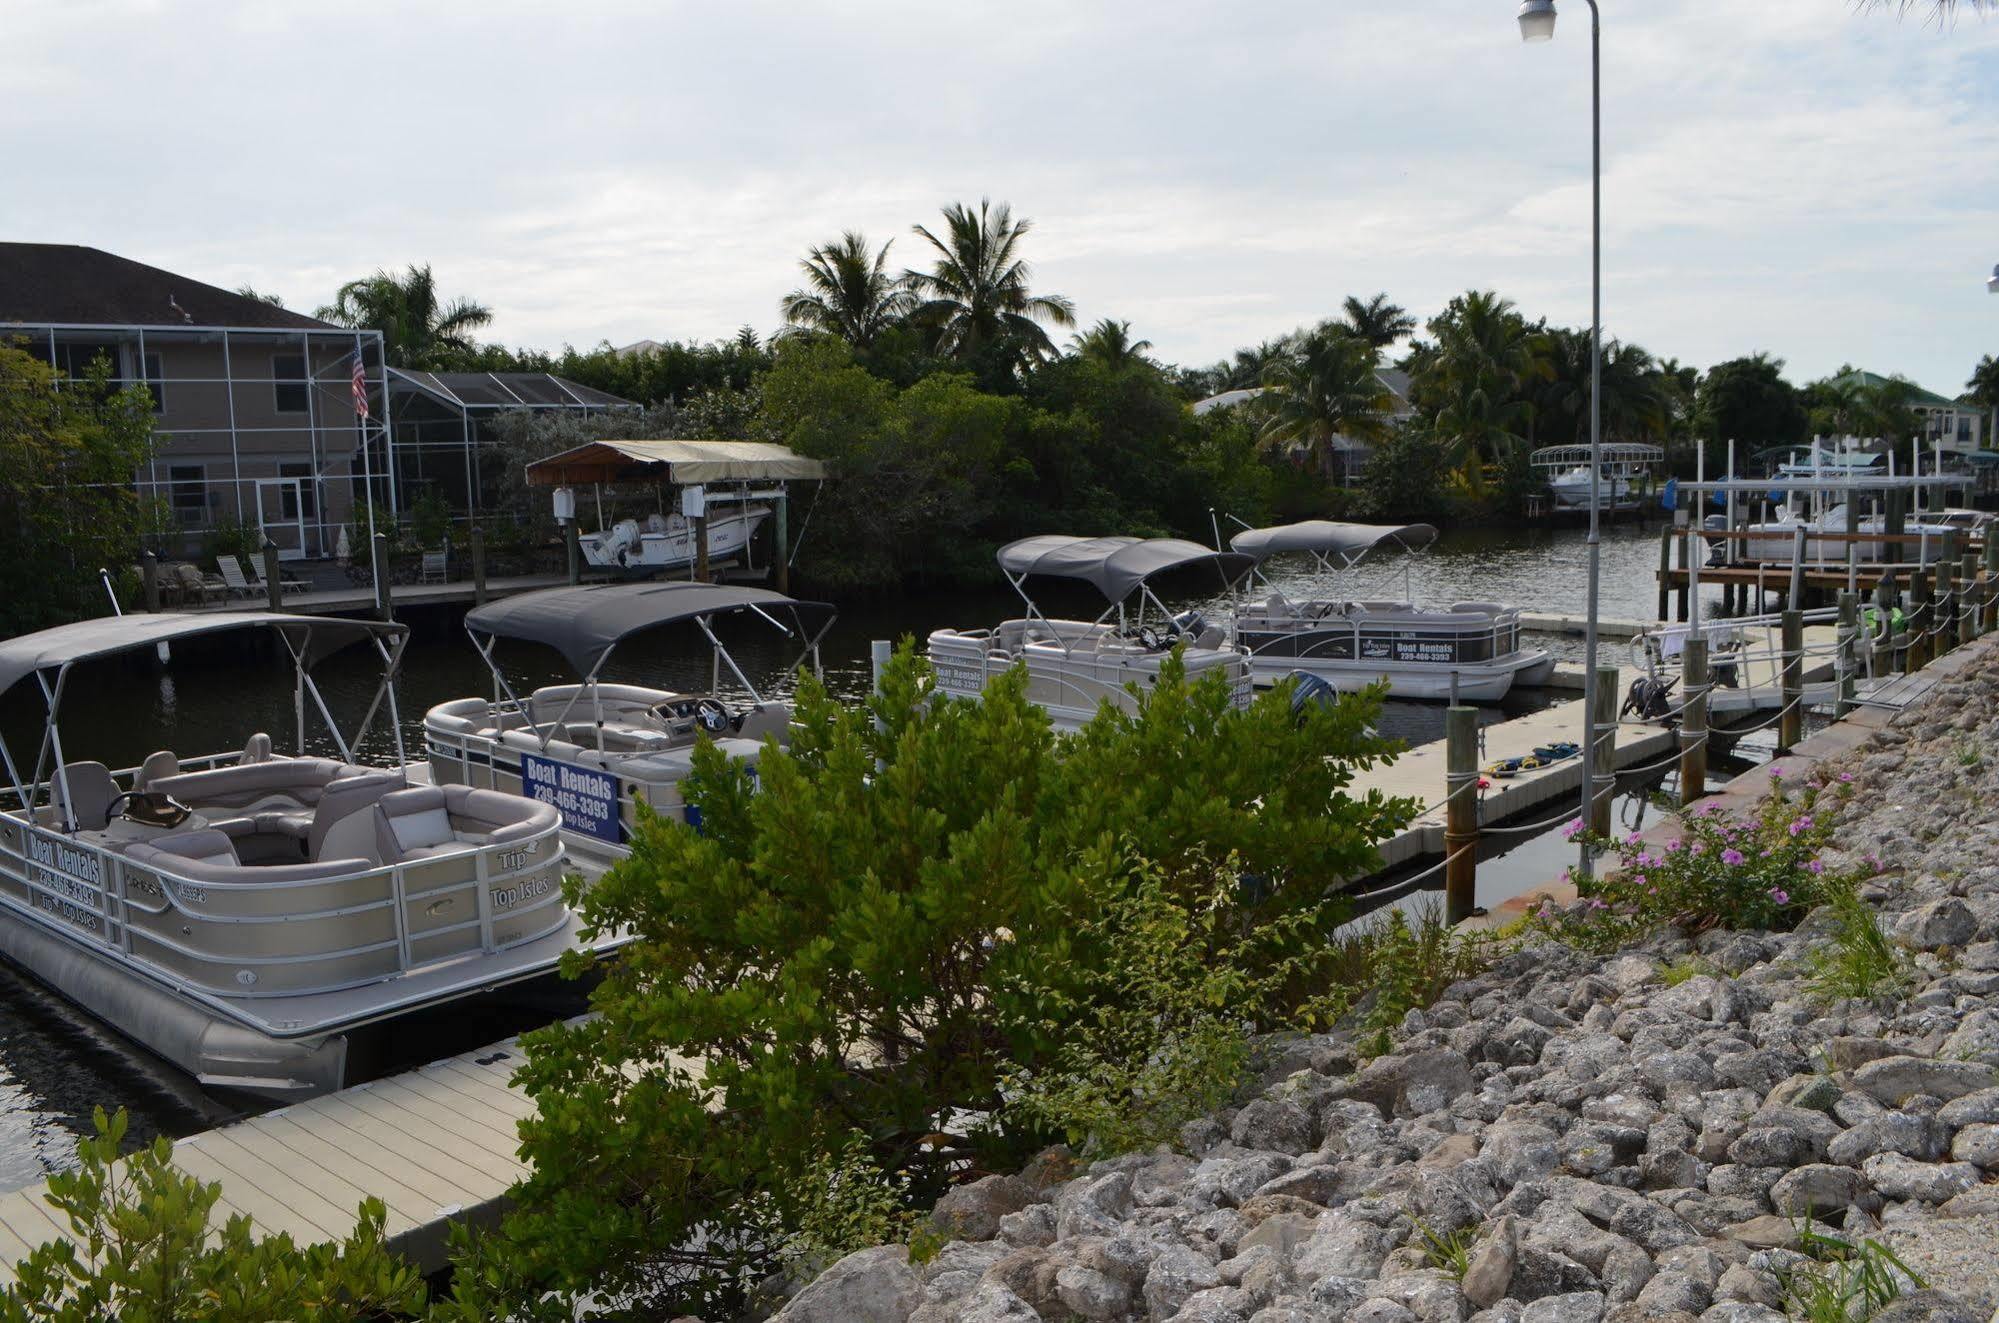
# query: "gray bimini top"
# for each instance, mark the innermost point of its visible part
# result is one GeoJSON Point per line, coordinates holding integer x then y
{"type": "Point", "coordinates": [310, 638]}
{"type": "Point", "coordinates": [1115, 565]}
{"type": "Point", "coordinates": [1325, 537]}
{"type": "Point", "coordinates": [585, 623]}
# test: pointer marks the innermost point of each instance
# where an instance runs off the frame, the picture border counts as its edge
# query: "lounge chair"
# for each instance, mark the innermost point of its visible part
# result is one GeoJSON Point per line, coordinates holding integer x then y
{"type": "Point", "coordinates": [237, 584]}
{"type": "Point", "coordinates": [436, 567]}
{"type": "Point", "coordinates": [194, 585]}
{"type": "Point", "coordinates": [286, 584]}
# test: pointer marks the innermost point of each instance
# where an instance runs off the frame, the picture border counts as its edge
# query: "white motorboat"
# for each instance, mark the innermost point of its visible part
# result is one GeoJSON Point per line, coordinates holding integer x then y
{"type": "Point", "coordinates": [1777, 541]}
{"type": "Point", "coordinates": [1076, 666]}
{"type": "Point", "coordinates": [242, 914]}
{"type": "Point", "coordinates": [1470, 650]}
{"type": "Point", "coordinates": [1623, 474]}
{"type": "Point", "coordinates": [595, 751]}
{"type": "Point", "coordinates": [667, 541]}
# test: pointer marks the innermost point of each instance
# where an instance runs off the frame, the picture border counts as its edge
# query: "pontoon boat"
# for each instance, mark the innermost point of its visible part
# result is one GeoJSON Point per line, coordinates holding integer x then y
{"type": "Point", "coordinates": [594, 751]}
{"type": "Point", "coordinates": [1471, 650]}
{"type": "Point", "coordinates": [242, 913]}
{"type": "Point", "coordinates": [1075, 666]}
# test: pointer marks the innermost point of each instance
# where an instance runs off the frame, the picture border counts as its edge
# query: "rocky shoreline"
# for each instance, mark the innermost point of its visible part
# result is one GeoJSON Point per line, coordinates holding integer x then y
{"type": "Point", "coordinates": [1567, 1137]}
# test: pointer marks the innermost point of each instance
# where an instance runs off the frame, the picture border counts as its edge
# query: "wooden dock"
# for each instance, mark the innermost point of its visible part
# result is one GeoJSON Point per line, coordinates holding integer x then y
{"type": "Point", "coordinates": [436, 1145]}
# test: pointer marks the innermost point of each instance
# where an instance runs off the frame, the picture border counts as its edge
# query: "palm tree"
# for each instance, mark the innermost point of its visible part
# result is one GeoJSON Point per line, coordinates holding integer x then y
{"type": "Point", "coordinates": [1984, 384]}
{"type": "Point", "coordinates": [1473, 382]}
{"type": "Point", "coordinates": [1330, 390]}
{"type": "Point", "coordinates": [1377, 321]}
{"type": "Point", "coordinates": [848, 292]}
{"type": "Point", "coordinates": [976, 296]}
{"type": "Point", "coordinates": [417, 329]}
{"type": "Point", "coordinates": [251, 292]}
{"type": "Point", "coordinates": [1109, 343]}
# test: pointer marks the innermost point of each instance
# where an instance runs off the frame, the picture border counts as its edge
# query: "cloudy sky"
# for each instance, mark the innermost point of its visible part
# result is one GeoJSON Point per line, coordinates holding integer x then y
{"type": "Point", "coordinates": [1786, 175]}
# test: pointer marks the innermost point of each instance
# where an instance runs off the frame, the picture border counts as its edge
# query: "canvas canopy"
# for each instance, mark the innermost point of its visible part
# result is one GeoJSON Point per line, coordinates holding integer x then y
{"type": "Point", "coordinates": [682, 463]}
{"type": "Point", "coordinates": [1115, 565]}
{"type": "Point", "coordinates": [1325, 537]}
{"type": "Point", "coordinates": [312, 637]}
{"type": "Point", "coordinates": [585, 623]}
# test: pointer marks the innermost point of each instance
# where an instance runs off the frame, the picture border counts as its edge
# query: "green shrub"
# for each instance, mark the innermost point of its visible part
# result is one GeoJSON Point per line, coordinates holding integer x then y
{"type": "Point", "coordinates": [229, 537]}
{"type": "Point", "coordinates": [1404, 964]}
{"type": "Point", "coordinates": [144, 1250]}
{"type": "Point", "coordinates": [1857, 960]}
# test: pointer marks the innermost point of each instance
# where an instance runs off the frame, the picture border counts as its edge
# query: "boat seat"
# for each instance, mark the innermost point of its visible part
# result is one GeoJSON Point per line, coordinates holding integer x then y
{"type": "Point", "coordinates": [341, 799]}
{"type": "Point", "coordinates": [249, 788]}
{"type": "Point", "coordinates": [156, 767]}
{"type": "Point", "coordinates": [256, 749]}
{"type": "Point", "coordinates": [426, 822]}
{"type": "Point", "coordinates": [83, 792]}
{"type": "Point", "coordinates": [763, 720]}
{"type": "Point", "coordinates": [1210, 638]}
{"type": "Point", "coordinates": [419, 825]}
{"type": "Point", "coordinates": [206, 846]}
{"type": "Point", "coordinates": [1278, 607]}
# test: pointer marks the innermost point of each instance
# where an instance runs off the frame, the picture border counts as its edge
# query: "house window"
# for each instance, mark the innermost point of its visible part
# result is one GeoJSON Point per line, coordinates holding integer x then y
{"type": "Point", "coordinates": [187, 491]}
{"type": "Point", "coordinates": [156, 382]}
{"type": "Point", "coordinates": [303, 502]}
{"type": "Point", "coordinates": [289, 388]}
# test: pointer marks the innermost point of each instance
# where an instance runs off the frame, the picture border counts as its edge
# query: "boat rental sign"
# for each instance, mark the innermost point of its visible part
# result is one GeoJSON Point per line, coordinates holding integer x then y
{"type": "Point", "coordinates": [587, 799]}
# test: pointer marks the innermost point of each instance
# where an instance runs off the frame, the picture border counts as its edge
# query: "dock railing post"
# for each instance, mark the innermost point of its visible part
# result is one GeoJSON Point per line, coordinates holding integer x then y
{"type": "Point", "coordinates": [149, 575]}
{"type": "Point", "coordinates": [1460, 813]}
{"type": "Point", "coordinates": [1945, 636]}
{"type": "Point", "coordinates": [1685, 571]}
{"type": "Point", "coordinates": [572, 553]}
{"type": "Point", "coordinates": [1791, 719]}
{"type": "Point", "coordinates": [1894, 521]}
{"type": "Point", "coordinates": [478, 566]}
{"type": "Point", "coordinates": [1922, 614]}
{"type": "Point", "coordinates": [378, 561]}
{"type": "Point", "coordinates": [1665, 569]}
{"type": "Point", "coordinates": [1603, 764]}
{"type": "Point", "coordinates": [1968, 598]}
{"type": "Point", "coordinates": [274, 591]}
{"type": "Point", "coordinates": [1991, 581]}
{"type": "Point", "coordinates": [1847, 659]}
{"type": "Point", "coordinates": [1693, 719]}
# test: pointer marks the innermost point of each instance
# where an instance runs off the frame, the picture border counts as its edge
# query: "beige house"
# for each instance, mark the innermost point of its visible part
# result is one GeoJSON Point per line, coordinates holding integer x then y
{"type": "Point", "coordinates": [254, 404]}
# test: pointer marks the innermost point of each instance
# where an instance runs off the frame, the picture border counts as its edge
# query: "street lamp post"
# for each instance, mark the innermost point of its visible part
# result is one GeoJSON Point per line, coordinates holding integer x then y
{"type": "Point", "coordinates": [1537, 23]}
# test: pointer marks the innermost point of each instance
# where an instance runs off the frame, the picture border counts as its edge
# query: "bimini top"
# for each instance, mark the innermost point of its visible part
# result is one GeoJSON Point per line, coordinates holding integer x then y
{"type": "Point", "coordinates": [677, 462]}
{"type": "Point", "coordinates": [311, 638]}
{"type": "Point", "coordinates": [1116, 565]}
{"type": "Point", "coordinates": [1324, 537]}
{"type": "Point", "coordinates": [585, 623]}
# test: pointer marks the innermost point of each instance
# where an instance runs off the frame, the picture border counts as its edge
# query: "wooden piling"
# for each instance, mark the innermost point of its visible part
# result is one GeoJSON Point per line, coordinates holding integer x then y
{"type": "Point", "coordinates": [572, 552]}
{"type": "Point", "coordinates": [1665, 569]}
{"type": "Point", "coordinates": [1991, 582]}
{"type": "Point", "coordinates": [1791, 724]}
{"type": "Point", "coordinates": [1693, 719]}
{"type": "Point", "coordinates": [1921, 615]}
{"type": "Point", "coordinates": [274, 591]}
{"type": "Point", "coordinates": [478, 566]}
{"type": "Point", "coordinates": [1895, 522]}
{"type": "Point", "coordinates": [1970, 598]}
{"type": "Point", "coordinates": [1603, 765]}
{"type": "Point", "coordinates": [1848, 667]}
{"type": "Point", "coordinates": [149, 576]}
{"type": "Point", "coordinates": [1945, 636]}
{"type": "Point", "coordinates": [1685, 577]}
{"type": "Point", "coordinates": [1460, 813]}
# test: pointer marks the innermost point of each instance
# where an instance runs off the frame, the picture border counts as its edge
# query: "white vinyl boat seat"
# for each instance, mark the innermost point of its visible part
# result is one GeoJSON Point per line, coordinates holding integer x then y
{"type": "Point", "coordinates": [84, 791]}
{"type": "Point", "coordinates": [157, 767]}
{"type": "Point", "coordinates": [209, 855]}
{"type": "Point", "coordinates": [256, 749]}
{"type": "Point", "coordinates": [280, 784]}
{"type": "Point", "coordinates": [426, 822]}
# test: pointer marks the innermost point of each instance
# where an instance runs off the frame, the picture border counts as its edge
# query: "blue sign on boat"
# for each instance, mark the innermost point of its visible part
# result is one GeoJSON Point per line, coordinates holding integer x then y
{"type": "Point", "coordinates": [587, 799]}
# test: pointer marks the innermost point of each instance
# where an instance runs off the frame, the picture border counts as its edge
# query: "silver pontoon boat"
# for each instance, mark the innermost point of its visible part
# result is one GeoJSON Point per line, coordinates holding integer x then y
{"type": "Point", "coordinates": [241, 913]}
{"type": "Point", "coordinates": [1471, 651]}
{"type": "Point", "coordinates": [1075, 666]}
{"type": "Point", "coordinates": [595, 751]}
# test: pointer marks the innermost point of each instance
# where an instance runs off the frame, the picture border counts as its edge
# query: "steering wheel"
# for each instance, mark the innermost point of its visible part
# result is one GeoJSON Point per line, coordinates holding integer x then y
{"type": "Point", "coordinates": [154, 807]}
{"type": "Point", "coordinates": [1150, 637]}
{"type": "Point", "coordinates": [714, 718]}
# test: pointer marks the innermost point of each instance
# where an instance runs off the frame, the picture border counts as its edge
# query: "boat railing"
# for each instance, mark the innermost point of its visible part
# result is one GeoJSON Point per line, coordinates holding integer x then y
{"type": "Point", "coordinates": [198, 763]}
{"type": "Point", "coordinates": [1747, 653]}
{"type": "Point", "coordinates": [968, 673]}
{"type": "Point", "coordinates": [1499, 632]}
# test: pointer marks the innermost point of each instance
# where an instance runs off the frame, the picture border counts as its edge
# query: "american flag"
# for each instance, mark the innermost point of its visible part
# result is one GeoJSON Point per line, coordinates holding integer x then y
{"type": "Point", "coordinates": [360, 384]}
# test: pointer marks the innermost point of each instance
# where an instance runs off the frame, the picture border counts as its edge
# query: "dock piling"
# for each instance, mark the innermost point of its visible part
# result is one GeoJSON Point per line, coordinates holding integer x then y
{"type": "Point", "coordinates": [1693, 719]}
{"type": "Point", "coordinates": [1460, 813]}
{"type": "Point", "coordinates": [1991, 582]}
{"type": "Point", "coordinates": [378, 561]}
{"type": "Point", "coordinates": [1967, 598]}
{"type": "Point", "coordinates": [573, 553]}
{"type": "Point", "coordinates": [1685, 578]}
{"type": "Point", "coordinates": [1846, 660]}
{"type": "Point", "coordinates": [1944, 637]}
{"type": "Point", "coordinates": [1921, 618]}
{"type": "Point", "coordinates": [478, 566]}
{"type": "Point", "coordinates": [149, 576]}
{"type": "Point", "coordinates": [274, 591]}
{"type": "Point", "coordinates": [1603, 768]}
{"type": "Point", "coordinates": [1665, 569]}
{"type": "Point", "coordinates": [1791, 718]}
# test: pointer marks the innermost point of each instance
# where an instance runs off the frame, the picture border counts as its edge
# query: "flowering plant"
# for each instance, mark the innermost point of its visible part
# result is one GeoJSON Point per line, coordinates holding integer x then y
{"type": "Point", "coordinates": [1761, 870]}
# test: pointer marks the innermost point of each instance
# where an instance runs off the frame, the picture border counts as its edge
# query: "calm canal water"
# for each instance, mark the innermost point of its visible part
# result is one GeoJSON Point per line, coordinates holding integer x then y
{"type": "Point", "coordinates": [57, 1063]}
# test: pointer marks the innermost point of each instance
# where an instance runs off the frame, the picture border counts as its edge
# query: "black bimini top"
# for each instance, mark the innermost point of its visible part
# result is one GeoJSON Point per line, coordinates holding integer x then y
{"type": "Point", "coordinates": [1115, 565]}
{"type": "Point", "coordinates": [1328, 538]}
{"type": "Point", "coordinates": [585, 623]}
{"type": "Point", "coordinates": [312, 638]}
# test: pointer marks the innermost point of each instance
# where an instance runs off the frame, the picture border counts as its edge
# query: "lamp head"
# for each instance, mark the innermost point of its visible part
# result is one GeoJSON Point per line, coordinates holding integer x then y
{"type": "Point", "coordinates": [1537, 20]}
{"type": "Point", "coordinates": [1992, 285]}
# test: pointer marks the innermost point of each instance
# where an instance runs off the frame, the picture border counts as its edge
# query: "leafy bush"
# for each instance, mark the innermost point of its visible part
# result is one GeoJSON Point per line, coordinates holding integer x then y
{"type": "Point", "coordinates": [872, 935]}
{"type": "Point", "coordinates": [848, 1203]}
{"type": "Point", "coordinates": [144, 1249]}
{"type": "Point", "coordinates": [1403, 962]}
{"type": "Point", "coordinates": [1758, 871]}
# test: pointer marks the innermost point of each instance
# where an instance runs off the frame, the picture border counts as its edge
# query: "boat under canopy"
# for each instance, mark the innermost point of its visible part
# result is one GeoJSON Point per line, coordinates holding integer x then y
{"type": "Point", "coordinates": [595, 751]}
{"type": "Point", "coordinates": [1075, 666]}
{"type": "Point", "coordinates": [240, 913]}
{"type": "Point", "coordinates": [1470, 652]}
{"type": "Point", "coordinates": [1623, 475]}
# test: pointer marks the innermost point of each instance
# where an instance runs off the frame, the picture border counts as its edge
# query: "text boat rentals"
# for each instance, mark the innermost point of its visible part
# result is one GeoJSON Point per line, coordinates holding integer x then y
{"type": "Point", "coordinates": [593, 750]}
{"type": "Point", "coordinates": [1471, 650]}
{"type": "Point", "coordinates": [243, 913]}
{"type": "Point", "coordinates": [1075, 666]}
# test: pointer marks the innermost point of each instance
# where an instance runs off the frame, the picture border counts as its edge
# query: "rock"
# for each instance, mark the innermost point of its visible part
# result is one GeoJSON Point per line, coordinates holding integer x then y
{"type": "Point", "coordinates": [1977, 1144]}
{"type": "Point", "coordinates": [1741, 1282]}
{"type": "Point", "coordinates": [993, 1303]}
{"type": "Point", "coordinates": [1928, 1307]}
{"type": "Point", "coordinates": [1924, 1138]}
{"type": "Point", "coordinates": [868, 1286]}
{"type": "Point", "coordinates": [1176, 1275]}
{"type": "Point", "coordinates": [1771, 1146]}
{"type": "Point", "coordinates": [1380, 1311]}
{"type": "Point", "coordinates": [1033, 1225]}
{"type": "Point", "coordinates": [1735, 1180]}
{"type": "Point", "coordinates": [1900, 1177]}
{"type": "Point", "coordinates": [1816, 1092]}
{"type": "Point", "coordinates": [1677, 1072]}
{"type": "Point", "coordinates": [1954, 1255]}
{"type": "Point", "coordinates": [1491, 1264]}
{"type": "Point", "coordinates": [1415, 1083]}
{"type": "Point", "coordinates": [1227, 1179]}
{"type": "Point", "coordinates": [1092, 1294]}
{"type": "Point", "coordinates": [1284, 1233]}
{"type": "Point", "coordinates": [1674, 1291]}
{"type": "Point", "coordinates": [1818, 1188]}
{"type": "Point", "coordinates": [1937, 923]}
{"type": "Point", "coordinates": [1979, 1108]}
{"type": "Point", "coordinates": [1273, 1126]}
{"type": "Point", "coordinates": [1344, 1246]}
{"type": "Point", "coordinates": [1094, 1206]}
{"type": "Point", "coordinates": [1521, 1151]}
{"type": "Point", "coordinates": [1976, 1038]}
{"type": "Point", "coordinates": [1892, 1080]}
{"type": "Point", "coordinates": [1294, 1311]}
{"type": "Point", "coordinates": [973, 1212]}
{"type": "Point", "coordinates": [1539, 1271]}
{"type": "Point", "coordinates": [1740, 1311]}
{"type": "Point", "coordinates": [1770, 1231]}
{"type": "Point", "coordinates": [1576, 1307]}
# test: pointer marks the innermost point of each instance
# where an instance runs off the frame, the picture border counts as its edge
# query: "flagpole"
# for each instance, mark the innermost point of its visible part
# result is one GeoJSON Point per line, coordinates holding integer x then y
{"type": "Point", "coordinates": [367, 464]}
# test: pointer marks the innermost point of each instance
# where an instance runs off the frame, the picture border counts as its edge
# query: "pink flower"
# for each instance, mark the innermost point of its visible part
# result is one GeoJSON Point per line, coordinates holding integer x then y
{"type": "Point", "coordinates": [1801, 824]}
{"type": "Point", "coordinates": [1674, 845]}
{"type": "Point", "coordinates": [1731, 857]}
{"type": "Point", "coordinates": [1639, 879]}
{"type": "Point", "coordinates": [1633, 839]}
{"type": "Point", "coordinates": [1698, 847]}
{"type": "Point", "coordinates": [1816, 866]}
{"type": "Point", "coordinates": [1597, 903]}
{"type": "Point", "coordinates": [1846, 776]}
{"type": "Point", "coordinates": [1776, 772]}
{"type": "Point", "coordinates": [1780, 895]}
{"type": "Point", "coordinates": [1573, 830]}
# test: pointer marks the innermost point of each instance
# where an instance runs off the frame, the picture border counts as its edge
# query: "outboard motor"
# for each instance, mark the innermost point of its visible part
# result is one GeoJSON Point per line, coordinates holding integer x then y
{"type": "Point", "coordinates": [1649, 698]}
{"type": "Point", "coordinates": [1311, 691]}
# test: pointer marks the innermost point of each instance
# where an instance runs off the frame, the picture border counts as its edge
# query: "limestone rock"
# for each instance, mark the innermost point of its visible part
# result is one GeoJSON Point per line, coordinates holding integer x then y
{"type": "Point", "coordinates": [868, 1286]}
{"type": "Point", "coordinates": [1893, 1080]}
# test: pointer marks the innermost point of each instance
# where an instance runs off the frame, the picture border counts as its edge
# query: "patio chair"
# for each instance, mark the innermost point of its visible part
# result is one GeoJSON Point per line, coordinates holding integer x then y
{"type": "Point", "coordinates": [286, 584]}
{"type": "Point", "coordinates": [194, 585]}
{"type": "Point", "coordinates": [234, 581]}
{"type": "Point", "coordinates": [436, 567]}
